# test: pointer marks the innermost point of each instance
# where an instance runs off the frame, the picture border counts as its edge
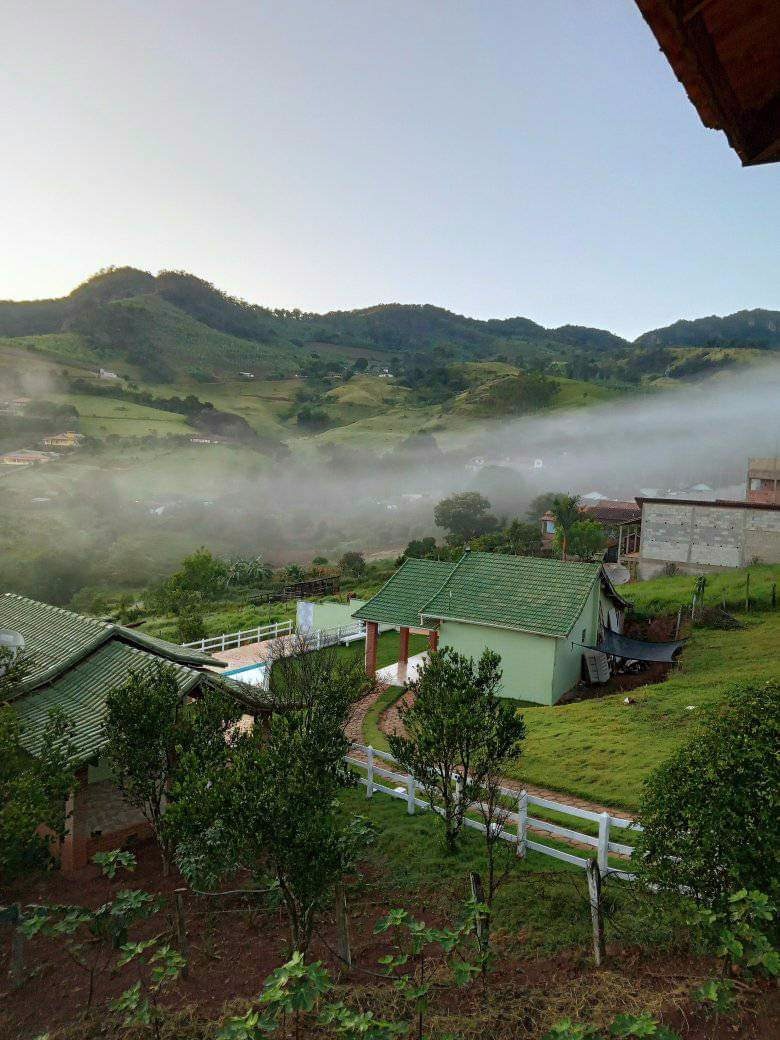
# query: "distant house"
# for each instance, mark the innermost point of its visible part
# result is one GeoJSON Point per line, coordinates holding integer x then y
{"type": "Point", "coordinates": [26, 457]}
{"type": "Point", "coordinates": [763, 481]}
{"type": "Point", "coordinates": [76, 661]}
{"type": "Point", "coordinates": [621, 522]}
{"type": "Point", "coordinates": [537, 614]}
{"type": "Point", "coordinates": [104, 373]}
{"type": "Point", "coordinates": [68, 439]}
{"type": "Point", "coordinates": [702, 535]}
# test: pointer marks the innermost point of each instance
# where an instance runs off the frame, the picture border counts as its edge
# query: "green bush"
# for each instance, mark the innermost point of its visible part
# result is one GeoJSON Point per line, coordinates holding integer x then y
{"type": "Point", "coordinates": [710, 813]}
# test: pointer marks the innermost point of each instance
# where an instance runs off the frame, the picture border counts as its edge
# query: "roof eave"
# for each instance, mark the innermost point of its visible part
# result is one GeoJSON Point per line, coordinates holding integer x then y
{"type": "Point", "coordinates": [494, 624]}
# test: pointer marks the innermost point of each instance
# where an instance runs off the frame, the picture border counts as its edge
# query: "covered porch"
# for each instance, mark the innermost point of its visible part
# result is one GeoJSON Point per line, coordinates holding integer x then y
{"type": "Point", "coordinates": [399, 604]}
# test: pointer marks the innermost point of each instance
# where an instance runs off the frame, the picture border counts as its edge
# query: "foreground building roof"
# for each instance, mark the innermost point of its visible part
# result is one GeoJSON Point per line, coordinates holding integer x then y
{"type": "Point", "coordinates": [726, 54]}
{"type": "Point", "coordinates": [76, 660]}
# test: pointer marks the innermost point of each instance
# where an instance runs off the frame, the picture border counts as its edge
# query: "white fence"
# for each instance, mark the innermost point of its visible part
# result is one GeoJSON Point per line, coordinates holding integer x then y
{"type": "Point", "coordinates": [250, 635]}
{"type": "Point", "coordinates": [321, 637]}
{"type": "Point", "coordinates": [317, 640]}
{"type": "Point", "coordinates": [406, 787]}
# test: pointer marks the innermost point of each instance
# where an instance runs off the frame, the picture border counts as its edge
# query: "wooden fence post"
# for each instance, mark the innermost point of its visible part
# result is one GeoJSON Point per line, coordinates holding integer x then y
{"type": "Point", "coordinates": [342, 927]}
{"type": "Point", "coordinates": [603, 848]}
{"type": "Point", "coordinates": [369, 771]}
{"type": "Point", "coordinates": [679, 622]}
{"type": "Point", "coordinates": [593, 874]}
{"type": "Point", "coordinates": [481, 919]}
{"type": "Point", "coordinates": [12, 916]}
{"type": "Point", "coordinates": [181, 930]}
{"type": "Point", "coordinates": [522, 824]}
{"type": "Point", "coordinates": [410, 795]}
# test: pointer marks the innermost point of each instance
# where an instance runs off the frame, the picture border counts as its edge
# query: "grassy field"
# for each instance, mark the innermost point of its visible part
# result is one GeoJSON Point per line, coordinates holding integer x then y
{"type": "Point", "coordinates": [542, 903]}
{"type": "Point", "coordinates": [666, 595]}
{"type": "Point", "coordinates": [604, 749]}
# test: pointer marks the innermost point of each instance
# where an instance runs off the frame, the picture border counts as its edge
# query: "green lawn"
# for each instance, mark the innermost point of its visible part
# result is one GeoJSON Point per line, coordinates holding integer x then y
{"type": "Point", "coordinates": [665, 595]}
{"type": "Point", "coordinates": [542, 904]}
{"type": "Point", "coordinates": [604, 749]}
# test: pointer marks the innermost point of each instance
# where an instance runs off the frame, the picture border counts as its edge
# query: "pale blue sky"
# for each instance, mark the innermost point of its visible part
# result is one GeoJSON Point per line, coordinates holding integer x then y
{"type": "Point", "coordinates": [499, 157]}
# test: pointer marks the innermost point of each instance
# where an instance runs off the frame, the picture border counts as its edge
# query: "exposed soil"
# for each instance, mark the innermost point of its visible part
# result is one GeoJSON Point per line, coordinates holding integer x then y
{"type": "Point", "coordinates": [233, 949]}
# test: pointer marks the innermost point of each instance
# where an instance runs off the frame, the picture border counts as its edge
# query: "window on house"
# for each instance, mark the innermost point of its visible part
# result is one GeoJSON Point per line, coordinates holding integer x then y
{"type": "Point", "coordinates": [583, 635]}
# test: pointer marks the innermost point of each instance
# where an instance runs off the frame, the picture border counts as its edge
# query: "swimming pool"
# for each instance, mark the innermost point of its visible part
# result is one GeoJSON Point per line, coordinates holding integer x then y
{"type": "Point", "coordinates": [251, 674]}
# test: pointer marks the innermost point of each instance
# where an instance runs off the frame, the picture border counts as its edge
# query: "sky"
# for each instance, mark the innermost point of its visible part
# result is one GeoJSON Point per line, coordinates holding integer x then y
{"type": "Point", "coordinates": [500, 158]}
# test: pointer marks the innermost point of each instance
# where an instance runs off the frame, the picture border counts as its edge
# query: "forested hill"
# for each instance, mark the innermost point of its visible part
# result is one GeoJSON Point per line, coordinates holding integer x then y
{"type": "Point", "coordinates": [387, 327]}
{"type": "Point", "coordinates": [756, 328]}
{"type": "Point", "coordinates": [163, 323]}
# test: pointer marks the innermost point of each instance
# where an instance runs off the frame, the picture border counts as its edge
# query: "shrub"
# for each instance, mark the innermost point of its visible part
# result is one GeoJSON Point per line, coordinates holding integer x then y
{"type": "Point", "coordinates": [710, 813]}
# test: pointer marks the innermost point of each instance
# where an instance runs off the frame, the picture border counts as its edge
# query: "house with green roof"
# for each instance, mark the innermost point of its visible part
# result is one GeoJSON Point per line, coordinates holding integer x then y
{"type": "Point", "coordinates": [537, 614]}
{"type": "Point", "coordinates": [74, 662]}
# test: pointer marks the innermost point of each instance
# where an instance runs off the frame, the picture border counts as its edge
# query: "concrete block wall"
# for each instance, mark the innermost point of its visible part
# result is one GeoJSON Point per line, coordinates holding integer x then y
{"type": "Point", "coordinates": [701, 536]}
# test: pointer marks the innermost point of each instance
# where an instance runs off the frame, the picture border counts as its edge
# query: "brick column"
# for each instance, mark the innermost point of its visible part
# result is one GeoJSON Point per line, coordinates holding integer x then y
{"type": "Point", "coordinates": [433, 639]}
{"type": "Point", "coordinates": [403, 653]}
{"type": "Point", "coordinates": [73, 851]}
{"type": "Point", "coordinates": [372, 632]}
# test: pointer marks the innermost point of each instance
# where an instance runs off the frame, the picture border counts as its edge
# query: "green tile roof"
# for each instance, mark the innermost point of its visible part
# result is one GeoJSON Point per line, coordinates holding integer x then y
{"type": "Point", "coordinates": [518, 592]}
{"type": "Point", "coordinates": [81, 694]}
{"type": "Point", "coordinates": [401, 599]}
{"type": "Point", "coordinates": [56, 639]}
{"type": "Point", "coordinates": [76, 660]}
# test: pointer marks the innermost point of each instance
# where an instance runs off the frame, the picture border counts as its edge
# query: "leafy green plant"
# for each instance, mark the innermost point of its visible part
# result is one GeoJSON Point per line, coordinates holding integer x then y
{"type": "Point", "coordinates": [739, 937]}
{"type": "Point", "coordinates": [291, 990]}
{"type": "Point", "coordinates": [459, 730]}
{"type": "Point", "coordinates": [623, 1027]}
{"type": "Point", "coordinates": [93, 938]}
{"type": "Point", "coordinates": [33, 791]}
{"type": "Point", "coordinates": [360, 1025]}
{"type": "Point", "coordinates": [149, 727]}
{"type": "Point", "coordinates": [274, 812]}
{"type": "Point", "coordinates": [159, 966]}
{"type": "Point", "coordinates": [420, 956]}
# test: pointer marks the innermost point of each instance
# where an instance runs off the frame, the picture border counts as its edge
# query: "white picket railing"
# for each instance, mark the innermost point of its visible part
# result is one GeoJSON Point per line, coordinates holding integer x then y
{"type": "Point", "coordinates": [249, 635]}
{"type": "Point", "coordinates": [316, 640]}
{"type": "Point", "coordinates": [405, 787]}
{"type": "Point", "coordinates": [320, 637]}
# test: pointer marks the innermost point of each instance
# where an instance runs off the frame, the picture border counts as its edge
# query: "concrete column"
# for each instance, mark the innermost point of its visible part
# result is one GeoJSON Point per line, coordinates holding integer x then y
{"type": "Point", "coordinates": [433, 640]}
{"type": "Point", "coordinates": [73, 852]}
{"type": "Point", "coordinates": [372, 633]}
{"type": "Point", "coordinates": [403, 653]}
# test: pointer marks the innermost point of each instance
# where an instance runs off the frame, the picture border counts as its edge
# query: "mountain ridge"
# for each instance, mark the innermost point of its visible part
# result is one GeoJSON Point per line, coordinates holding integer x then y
{"type": "Point", "coordinates": [116, 308]}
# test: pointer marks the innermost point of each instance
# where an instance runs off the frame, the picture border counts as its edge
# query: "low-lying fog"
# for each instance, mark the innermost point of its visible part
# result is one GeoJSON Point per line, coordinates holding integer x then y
{"type": "Point", "coordinates": [129, 524]}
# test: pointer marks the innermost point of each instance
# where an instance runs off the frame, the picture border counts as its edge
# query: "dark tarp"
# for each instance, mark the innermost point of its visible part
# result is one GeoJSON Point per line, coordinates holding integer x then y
{"type": "Point", "coordinates": [637, 649]}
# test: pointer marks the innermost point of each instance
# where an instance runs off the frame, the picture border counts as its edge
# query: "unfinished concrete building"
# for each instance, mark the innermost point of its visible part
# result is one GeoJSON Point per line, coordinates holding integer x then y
{"type": "Point", "coordinates": [700, 536]}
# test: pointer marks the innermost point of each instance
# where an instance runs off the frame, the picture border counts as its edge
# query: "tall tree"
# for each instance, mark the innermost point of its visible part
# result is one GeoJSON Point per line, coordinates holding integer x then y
{"type": "Point", "coordinates": [148, 727]}
{"type": "Point", "coordinates": [585, 539]}
{"type": "Point", "coordinates": [465, 515]}
{"type": "Point", "coordinates": [274, 811]}
{"type": "Point", "coordinates": [566, 512]}
{"type": "Point", "coordinates": [458, 732]}
{"type": "Point", "coordinates": [33, 790]}
{"type": "Point", "coordinates": [710, 814]}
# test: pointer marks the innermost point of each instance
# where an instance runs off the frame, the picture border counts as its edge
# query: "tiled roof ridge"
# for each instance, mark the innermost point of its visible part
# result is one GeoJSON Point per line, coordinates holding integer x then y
{"type": "Point", "coordinates": [466, 554]}
{"type": "Point", "coordinates": [60, 610]}
{"type": "Point", "coordinates": [585, 568]}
